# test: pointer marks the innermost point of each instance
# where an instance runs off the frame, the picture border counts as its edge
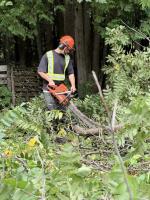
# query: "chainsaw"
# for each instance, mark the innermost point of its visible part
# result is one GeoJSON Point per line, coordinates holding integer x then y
{"type": "Point", "coordinates": [63, 96]}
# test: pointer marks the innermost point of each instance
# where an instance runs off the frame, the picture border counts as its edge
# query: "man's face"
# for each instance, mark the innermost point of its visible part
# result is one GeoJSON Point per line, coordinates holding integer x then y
{"type": "Point", "coordinates": [68, 50]}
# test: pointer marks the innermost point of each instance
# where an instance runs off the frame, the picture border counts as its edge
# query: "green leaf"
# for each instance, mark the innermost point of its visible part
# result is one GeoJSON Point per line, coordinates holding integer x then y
{"type": "Point", "coordinates": [83, 171]}
{"type": "Point", "coordinates": [9, 3]}
{"type": "Point", "coordinates": [21, 195]}
{"type": "Point", "coordinates": [79, 1]}
{"type": "Point", "coordinates": [101, 1]}
{"type": "Point", "coordinates": [1, 135]}
{"type": "Point", "coordinates": [15, 183]}
{"type": "Point", "coordinates": [60, 115]}
{"type": "Point", "coordinates": [2, 3]}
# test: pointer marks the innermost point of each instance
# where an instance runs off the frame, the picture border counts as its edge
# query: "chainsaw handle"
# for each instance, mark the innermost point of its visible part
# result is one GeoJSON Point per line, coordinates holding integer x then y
{"type": "Point", "coordinates": [51, 87]}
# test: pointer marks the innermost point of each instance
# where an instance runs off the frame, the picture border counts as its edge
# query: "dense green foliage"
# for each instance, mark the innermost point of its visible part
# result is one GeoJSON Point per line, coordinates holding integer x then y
{"type": "Point", "coordinates": [39, 20]}
{"type": "Point", "coordinates": [133, 13]}
{"type": "Point", "coordinates": [35, 162]}
{"type": "Point", "coordinates": [43, 158]}
{"type": "Point", "coordinates": [5, 97]}
{"type": "Point", "coordinates": [128, 71]}
{"type": "Point", "coordinates": [21, 18]}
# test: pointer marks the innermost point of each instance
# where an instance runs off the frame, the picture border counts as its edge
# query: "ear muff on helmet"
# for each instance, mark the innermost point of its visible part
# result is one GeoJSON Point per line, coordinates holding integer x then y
{"type": "Point", "coordinates": [62, 46]}
{"type": "Point", "coordinates": [68, 41]}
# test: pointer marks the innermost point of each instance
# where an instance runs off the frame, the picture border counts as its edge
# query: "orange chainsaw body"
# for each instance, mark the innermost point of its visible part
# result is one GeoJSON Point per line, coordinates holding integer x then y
{"type": "Point", "coordinates": [56, 91]}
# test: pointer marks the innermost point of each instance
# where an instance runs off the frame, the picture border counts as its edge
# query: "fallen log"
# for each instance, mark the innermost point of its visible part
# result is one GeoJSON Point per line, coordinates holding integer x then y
{"type": "Point", "coordinates": [94, 131]}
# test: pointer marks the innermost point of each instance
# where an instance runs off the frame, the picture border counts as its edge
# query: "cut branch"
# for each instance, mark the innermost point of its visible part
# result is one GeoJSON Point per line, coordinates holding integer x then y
{"type": "Point", "coordinates": [101, 94]}
{"type": "Point", "coordinates": [118, 153]}
{"type": "Point", "coordinates": [89, 122]}
{"type": "Point", "coordinates": [93, 131]}
{"type": "Point", "coordinates": [112, 125]}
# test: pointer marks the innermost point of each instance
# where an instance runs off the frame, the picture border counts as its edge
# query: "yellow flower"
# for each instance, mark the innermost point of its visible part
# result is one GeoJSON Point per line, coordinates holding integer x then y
{"type": "Point", "coordinates": [8, 153]}
{"type": "Point", "coordinates": [62, 132]}
{"type": "Point", "coordinates": [32, 142]}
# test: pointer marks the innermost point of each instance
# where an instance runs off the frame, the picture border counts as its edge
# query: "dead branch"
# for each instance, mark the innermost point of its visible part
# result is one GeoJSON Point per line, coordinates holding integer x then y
{"type": "Point", "coordinates": [112, 125]}
{"type": "Point", "coordinates": [101, 94]}
{"type": "Point", "coordinates": [98, 152]}
{"type": "Point", "coordinates": [94, 131]}
{"type": "Point", "coordinates": [89, 122]}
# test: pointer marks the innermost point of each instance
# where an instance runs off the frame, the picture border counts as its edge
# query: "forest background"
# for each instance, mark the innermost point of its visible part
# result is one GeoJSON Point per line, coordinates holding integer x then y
{"type": "Point", "coordinates": [43, 155]}
{"type": "Point", "coordinates": [30, 28]}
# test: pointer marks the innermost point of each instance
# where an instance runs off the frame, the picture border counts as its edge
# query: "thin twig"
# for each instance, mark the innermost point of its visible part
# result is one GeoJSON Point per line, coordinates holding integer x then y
{"type": "Point", "coordinates": [43, 197]}
{"type": "Point", "coordinates": [140, 33]}
{"type": "Point", "coordinates": [22, 162]}
{"type": "Point", "coordinates": [138, 43]}
{"type": "Point", "coordinates": [118, 153]}
{"type": "Point", "coordinates": [101, 94]}
{"type": "Point", "coordinates": [97, 152]}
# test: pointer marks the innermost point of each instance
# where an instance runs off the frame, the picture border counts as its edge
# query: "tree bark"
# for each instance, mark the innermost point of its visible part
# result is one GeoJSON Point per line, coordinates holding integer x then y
{"type": "Point", "coordinates": [20, 47]}
{"type": "Point", "coordinates": [38, 41]}
{"type": "Point", "coordinates": [69, 15]}
{"type": "Point", "coordinates": [80, 48]}
{"type": "Point", "coordinates": [87, 39]}
{"type": "Point", "coordinates": [59, 21]}
{"type": "Point", "coordinates": [101, 76]}
{"type": "Point", "coordinates": [6, 50]}
{"type": "Point", "coordinates": [96, 53]}
{"type": "Point", "coordinates": [48, 37]}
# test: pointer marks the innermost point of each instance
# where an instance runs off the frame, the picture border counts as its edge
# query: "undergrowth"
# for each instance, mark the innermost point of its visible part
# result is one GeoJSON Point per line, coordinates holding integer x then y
{"type": "Point", "coordinates": [42, 157]}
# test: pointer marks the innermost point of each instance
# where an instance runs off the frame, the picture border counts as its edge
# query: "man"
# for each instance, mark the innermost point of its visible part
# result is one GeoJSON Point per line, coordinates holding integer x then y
{"type": "Point", "coordinates": [53, 66]}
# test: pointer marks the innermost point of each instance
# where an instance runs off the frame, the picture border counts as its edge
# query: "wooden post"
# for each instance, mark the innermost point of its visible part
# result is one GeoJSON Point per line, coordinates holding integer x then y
{"type": "Point", "coordinates": [9, 78]}
{"type": "Point", "coordinates": [13, 87]}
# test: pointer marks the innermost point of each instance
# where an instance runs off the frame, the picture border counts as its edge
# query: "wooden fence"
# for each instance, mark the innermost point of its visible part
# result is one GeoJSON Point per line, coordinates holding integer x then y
{"type": "Point", "coordinates": [23, 82]}
{"type": "Point", "coordinates": [5, 78]}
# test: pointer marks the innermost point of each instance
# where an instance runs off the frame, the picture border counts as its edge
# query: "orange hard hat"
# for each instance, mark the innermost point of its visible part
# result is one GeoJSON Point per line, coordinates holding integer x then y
{"type": "Point", "coordinates": [68, 41]}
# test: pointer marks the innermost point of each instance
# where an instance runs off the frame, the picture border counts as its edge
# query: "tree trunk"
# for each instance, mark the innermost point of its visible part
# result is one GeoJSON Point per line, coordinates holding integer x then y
{"type": "Point", "coordinates": [20, 46]}
{"type": "Point", "coordinates": [59, 24]}
{"type": "Point", "coordinates": [6, 50]}
{"type": "Point", "coordinates": [96, 53]}
{"type": "Point", "coordinates": [69, 15]}
{"type": "Point", "coordinates": [48, 37]}
{"type": "Point", "coordinates": [103, 60]}
{"type": "Point", "coordinates": [87, 39]}
{"type": "Point", "coordinates": [80, 48]}
{"type": "Point", "coordinates": [38, 41]}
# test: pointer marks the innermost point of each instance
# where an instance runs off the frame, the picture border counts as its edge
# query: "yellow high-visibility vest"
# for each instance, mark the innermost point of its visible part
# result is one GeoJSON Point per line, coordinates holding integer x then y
{"type": "Point", "coordinates": [51, 74]}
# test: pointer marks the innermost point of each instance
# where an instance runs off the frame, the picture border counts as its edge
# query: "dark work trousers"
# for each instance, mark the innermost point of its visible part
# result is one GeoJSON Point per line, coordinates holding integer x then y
{"type": "Point", "coordinates": [50, 101]}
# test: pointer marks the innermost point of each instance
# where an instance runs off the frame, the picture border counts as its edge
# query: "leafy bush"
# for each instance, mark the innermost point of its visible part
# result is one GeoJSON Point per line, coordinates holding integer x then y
{"type": "Point", "coordinates": [33, 165]}
{"type": "Point", "coordinates": [5, 97]}
{"type": "Point", "coordinates": [128, 73]}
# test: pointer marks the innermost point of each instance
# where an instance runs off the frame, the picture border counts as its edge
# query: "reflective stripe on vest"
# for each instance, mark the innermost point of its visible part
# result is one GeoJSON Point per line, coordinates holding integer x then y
{"type": "Point", "coordinates": [54, 76]}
